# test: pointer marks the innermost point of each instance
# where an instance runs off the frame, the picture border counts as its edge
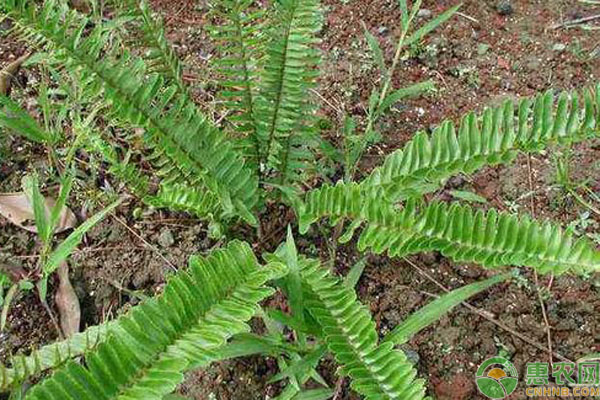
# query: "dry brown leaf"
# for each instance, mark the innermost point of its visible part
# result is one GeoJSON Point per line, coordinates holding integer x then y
{"type": "Point", "coordinates": [17, 209]}
{"type": "Point", "coordinates": [67, 303]}
{"type": "Point", "coordinates": [9, 72]}
{"type": "Point", "coordinates": [81, 5]}
{"type": "Point", "coordinates": [15, 272]}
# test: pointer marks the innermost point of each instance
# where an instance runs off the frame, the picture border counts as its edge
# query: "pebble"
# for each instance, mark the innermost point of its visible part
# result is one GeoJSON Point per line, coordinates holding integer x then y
{"type": "Point", "coordinates": [559, 47]}
{"type": "Point", "coordinates": [424, 13]}
{"type": "Point", "coordinates": [505, 7]}
{"type": "Point", "coordinates": [532, 63]}
{"type": "Point", "coordinates": [166, 239]}
{"type": "Point", "coordinates": [412, 356]}
{"type": "Point", "coordinates": [482, 48]}
{"type": "Point", "coordinates": [5, 25]}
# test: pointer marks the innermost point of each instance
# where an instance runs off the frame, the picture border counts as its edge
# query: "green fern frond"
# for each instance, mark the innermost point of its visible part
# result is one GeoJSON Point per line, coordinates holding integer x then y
{"type": "Point", "coordinates": [52, 356]}
{"type": "Point", "coordinates": [173, 126]}
{"type": "Point", "coordinates": [136, 181]}
{"type": "Point", "coordinates": [492, 239]}
{"type": "Point", "coordinates": [377, 370]}
{"type": "Point", "coordinates": [157, 52]}
{"type": "Point", "coordinates": [289, 72]}
{"type": "Point", "coordinates": [495, 137]}
{"type": "Point", "coordinates": [148, 350]}
{"type": "Point", "coordinates": [198, 202]}
{"type": "Point", "coordinates": [241, 45]}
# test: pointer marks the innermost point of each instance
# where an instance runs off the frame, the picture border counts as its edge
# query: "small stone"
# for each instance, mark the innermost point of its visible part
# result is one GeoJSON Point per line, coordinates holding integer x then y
{"type": "Point", "coordinates": [468, 271]}
{"type": "Point", "coordinates": [532, 63]}
{"type": "Point", "coordinates": [6, 25]}
{"type": "Point", "coordinates": [429, 258]}
{"type": "Point", "coordinates": [482, 48]}
{"type": "Point", "coordinates": [424, 13]}
{"type": "Point", "coordinates": [456, 182]}
{"type": "Point", "coordinates": [504, 7]}
{"type": "Point", "coordinates": [412, 356]}
{"type": "Point", "coordinates": [166, 239]}
{"type": "Point", "coordinates": [559, 47]}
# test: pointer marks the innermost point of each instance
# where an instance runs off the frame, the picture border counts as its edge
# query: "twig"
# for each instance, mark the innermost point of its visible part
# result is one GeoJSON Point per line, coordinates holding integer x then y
{"type": "Point", "coordinates": [535, 275]}
{"type": "Point", "coordinates": [334, 107]}
{"type": "Point", "coordinates": [467, 17]}
{"type": "Point", "coordinates": [338, 388]}
{"type": "Point", "coordinates": [150, 246]}
{"type": "Point", "coordinates": [574, 22]}
{"type": "Point", "coordinates": [486, 315]}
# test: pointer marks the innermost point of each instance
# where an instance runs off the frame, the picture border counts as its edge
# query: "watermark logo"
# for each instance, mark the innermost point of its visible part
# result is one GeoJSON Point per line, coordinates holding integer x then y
{"type": "Point", "coordinates": [569, 379]}
{"type": "Point", "coordinates": [497, 378]}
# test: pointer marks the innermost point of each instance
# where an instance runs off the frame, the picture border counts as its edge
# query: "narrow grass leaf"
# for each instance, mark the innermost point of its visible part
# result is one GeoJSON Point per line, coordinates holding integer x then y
{"type": "Point", "coordinates": [431, 25]}
{"type": "Point", "coordinates": [437, 308]}
{"type": "Point", "coordinates": [410, 91]}
{"type": "Point", "coordinates": [18, 121]}
{"type": "Point", "coordinates": [355, 273]}
{"type": "Point", "coordinates": [376, 51]}
{"type": "Point", "coordinates": [72, 241]}
{"type": "Point", "coordinates": [32, 190]}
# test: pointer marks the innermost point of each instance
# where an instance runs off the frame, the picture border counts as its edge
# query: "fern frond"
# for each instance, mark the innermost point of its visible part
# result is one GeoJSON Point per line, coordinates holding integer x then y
{"type": "Point", "coordinates": [157, 52]}
{"type": "Point", "coordinates": [494, 137]}
{"type": "Point", "coordinates": [149, 348]}
{"type": "Point", "coordinates": [377, 370]}
{"type": "Point", "coordinates": [289, 72]}
{"type": "Point", "coordinates": [492, 239]}
{"type": "Point", "coordinates": [196, 201]}
{"type": "Point", "coordinates": [241, 44]}
{"type": "Point", "coordinates": [173, 126]}
{"type": "Point", "coordinates": [52, 356]}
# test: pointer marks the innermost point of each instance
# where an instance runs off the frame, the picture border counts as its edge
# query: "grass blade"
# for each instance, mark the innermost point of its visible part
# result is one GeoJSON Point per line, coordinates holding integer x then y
{"type": "Point", "coordinates": [55, 213]}
{"type": "Point", "coordinates": [17, 120]}
{"type": "Point", "coordinates": [437, 308]}
{"type": "Point", "coordinates": [431, 25]}
{"type": "Point", "coordinates": [355, 273]}
{"type": "Point", "coordinates": [31, 187]}
{"type": "Point", "coordinates": [376, 51]}
{"type": "Point", "coordinates": [72, 241]}
{"type": "Point", "coordinates": [409, 91]}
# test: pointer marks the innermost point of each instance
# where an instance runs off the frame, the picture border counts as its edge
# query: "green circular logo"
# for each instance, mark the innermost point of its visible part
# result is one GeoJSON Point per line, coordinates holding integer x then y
{"type": "Point", "coordinates": [497, 378]}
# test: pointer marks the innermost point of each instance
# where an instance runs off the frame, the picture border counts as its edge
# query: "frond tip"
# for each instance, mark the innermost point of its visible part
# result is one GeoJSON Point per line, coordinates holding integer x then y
{"type": "Point", "coordinates": [492, 239]}
{"type": "Point", "coordinates": [192, 147]}
{"type": "Point", "coordinates": [378, 371]}
{"type": "Point", "coordinates": [290, 71]}
{"type": "Point", "coordinates": [149, 349]}
{"type": "Point", "coordinates": [495, 137]}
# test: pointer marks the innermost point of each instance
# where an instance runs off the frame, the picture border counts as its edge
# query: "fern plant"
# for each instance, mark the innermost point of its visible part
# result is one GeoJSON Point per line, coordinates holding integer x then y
{"type": "Point", "coordinates": [270, 64]}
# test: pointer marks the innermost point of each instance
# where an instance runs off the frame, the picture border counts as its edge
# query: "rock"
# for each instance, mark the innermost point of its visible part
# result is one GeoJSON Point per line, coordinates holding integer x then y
{"type": "Point", "coordinates": [505, 7]}
{"type": "Point", "coordinates": [424, 13]}
{"type": "Point", "coordinates": [166, 239]}
{"type": "Point", "coordinates": [482, 48]}
{"type": "Point", "coordinates": [429, 258]}
{"type": "Point", "coordinates": [6, 25]}
{"type": "Point", "coordinates": [412, 356]}
{"type": "Point", "coordinates": [532, 63]}
{"type": "Point", "coordinates": [559, 47]}
{"type": "Point", "coordinates": [468, 271]}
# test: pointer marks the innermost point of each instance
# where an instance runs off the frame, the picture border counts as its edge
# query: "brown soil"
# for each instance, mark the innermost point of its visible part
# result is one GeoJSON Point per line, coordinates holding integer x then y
{"type": "Point", "coordinates": [474, 61]}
